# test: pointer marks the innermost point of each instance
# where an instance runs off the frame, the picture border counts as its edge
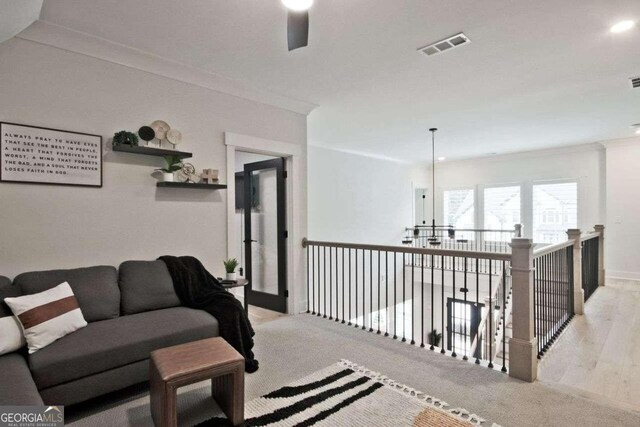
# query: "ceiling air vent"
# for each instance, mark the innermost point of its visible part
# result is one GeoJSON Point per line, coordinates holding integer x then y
{"type": "Point", "coordinates": [446, 44]}
{"type": "Point", "coordinates": [635, 82]}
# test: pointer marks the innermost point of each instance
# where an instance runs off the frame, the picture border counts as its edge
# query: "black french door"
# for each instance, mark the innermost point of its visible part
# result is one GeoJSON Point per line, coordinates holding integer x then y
{"type": "Point", "coordinates": [463, 321]}
{"type": "Point", "coordinates": [265, 234]}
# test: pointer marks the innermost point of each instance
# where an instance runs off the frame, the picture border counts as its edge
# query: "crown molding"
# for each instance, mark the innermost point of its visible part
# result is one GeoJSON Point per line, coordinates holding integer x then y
{"type": "Point", "coordinates": [596, 146]}
{"type": "Point", "coordinates": [362, 154]}
{"type": "Point", "coordinates": [47, 33]}
{"type": "Point", "coordinates": [619, 143]}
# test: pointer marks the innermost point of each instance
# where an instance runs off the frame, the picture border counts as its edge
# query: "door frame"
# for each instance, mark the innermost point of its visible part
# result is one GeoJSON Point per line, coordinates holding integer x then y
{"type": "Point", "coordinates": [264, 299]}
{"type": "Point", "coordinates": [296, 210]}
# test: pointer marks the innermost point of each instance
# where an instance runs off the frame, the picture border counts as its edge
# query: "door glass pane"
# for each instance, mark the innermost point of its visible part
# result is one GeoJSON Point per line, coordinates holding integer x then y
{"type": "Point", "coordinates": [501, 210]}
{"type": "Point", "coordinates": [264, 230]}
{"type": "Point", "coordinates": [555, 210]}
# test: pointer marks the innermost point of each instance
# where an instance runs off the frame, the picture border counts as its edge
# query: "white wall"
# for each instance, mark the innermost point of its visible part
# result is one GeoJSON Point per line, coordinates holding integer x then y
{"type": "Point", "coordinates": [46, 227]}
{"type": "Point", "coordinates": [586, 164]}
{"type": "Point", "coordinates": [358, 199]}
{"type": "Point", "coordinates": [622, 233]}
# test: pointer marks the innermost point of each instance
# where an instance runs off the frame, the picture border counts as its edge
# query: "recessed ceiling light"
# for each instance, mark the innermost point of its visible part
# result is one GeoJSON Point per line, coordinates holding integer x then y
{"type": "Point", "coordinates": [441, 159]}
{"type": "Point", "coordinates": [638, 132]}
{"type": "Point", "coordinates": [298, 5]}
{"type": "Point", "coordinates": [623, 26]}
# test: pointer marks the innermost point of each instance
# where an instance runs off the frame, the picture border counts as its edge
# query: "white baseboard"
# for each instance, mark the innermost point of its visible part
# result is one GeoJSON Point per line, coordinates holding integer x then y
{"type": "Point", "coordinates": [302, 307]}
{"type": "Point", "coordinates": [628, 275]}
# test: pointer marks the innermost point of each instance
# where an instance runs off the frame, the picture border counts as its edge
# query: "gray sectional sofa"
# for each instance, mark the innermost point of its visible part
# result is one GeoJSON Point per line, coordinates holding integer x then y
{"type": "Point", "coordinates": [130, 312]}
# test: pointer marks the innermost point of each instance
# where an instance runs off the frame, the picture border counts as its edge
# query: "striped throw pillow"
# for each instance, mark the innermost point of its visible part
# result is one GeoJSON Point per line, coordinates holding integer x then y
{"type": "Point", "coordinates": [47, 316]}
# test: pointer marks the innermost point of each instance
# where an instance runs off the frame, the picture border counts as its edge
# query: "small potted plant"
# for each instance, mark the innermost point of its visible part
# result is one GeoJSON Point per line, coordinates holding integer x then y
{"type": "Point", "coordinates": [230, 266]}
{"type": "Point", "coordinates": [174, 164]}
{"type": "Point", "coordinates": [125, 138]}
{"type": "Point", "coordinates": [434, 338]}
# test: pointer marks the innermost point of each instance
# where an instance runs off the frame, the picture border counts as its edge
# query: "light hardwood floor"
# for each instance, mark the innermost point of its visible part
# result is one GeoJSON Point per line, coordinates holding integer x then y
{"type": "Point", "coordinates": [259, 315]}
{"type": "Point", "coordinates": [598, 355]}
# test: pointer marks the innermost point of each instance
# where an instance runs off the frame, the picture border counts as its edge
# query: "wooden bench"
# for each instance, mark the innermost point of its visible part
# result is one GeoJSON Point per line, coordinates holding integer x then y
{"type": "Point", "coordinates": [189, 363]}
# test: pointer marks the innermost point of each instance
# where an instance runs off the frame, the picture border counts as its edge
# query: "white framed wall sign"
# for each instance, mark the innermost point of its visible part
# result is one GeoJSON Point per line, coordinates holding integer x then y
{"type": "Point", "coordinates": [37, 155]}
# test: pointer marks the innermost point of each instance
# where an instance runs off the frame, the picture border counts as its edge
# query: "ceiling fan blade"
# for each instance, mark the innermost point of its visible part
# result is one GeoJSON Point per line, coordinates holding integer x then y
{"type": "Point", "coordinates": [297, 29]}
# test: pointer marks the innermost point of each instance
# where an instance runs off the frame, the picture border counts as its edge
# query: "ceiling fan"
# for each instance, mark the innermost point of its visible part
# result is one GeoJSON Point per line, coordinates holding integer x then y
{"type": "Point", "coordinates": [297, 22]}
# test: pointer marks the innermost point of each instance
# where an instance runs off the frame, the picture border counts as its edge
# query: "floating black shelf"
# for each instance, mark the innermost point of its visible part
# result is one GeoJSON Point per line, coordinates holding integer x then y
{"type": "Point", "coordinates": [148, 151]}
{"type": "Point", "coordinates": [189, 185]}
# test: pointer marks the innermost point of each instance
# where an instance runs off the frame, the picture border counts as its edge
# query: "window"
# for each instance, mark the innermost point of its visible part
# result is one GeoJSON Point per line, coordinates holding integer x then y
{"type": "Point", "coordinates": [501, 208]}
{"type": "Point", "coordinates": [555, 210]}
{"type": "Point", "coordinates": [459, 208]}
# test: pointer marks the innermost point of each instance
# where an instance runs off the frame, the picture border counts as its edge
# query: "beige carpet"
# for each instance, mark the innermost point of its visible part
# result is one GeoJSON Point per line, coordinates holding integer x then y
{"type": "Point", "coordinates": [296, 346]}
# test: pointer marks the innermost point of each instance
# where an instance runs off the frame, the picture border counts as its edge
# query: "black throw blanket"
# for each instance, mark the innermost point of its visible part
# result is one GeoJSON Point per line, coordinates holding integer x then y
{"type": "Point", "coordinates": [198, 289]}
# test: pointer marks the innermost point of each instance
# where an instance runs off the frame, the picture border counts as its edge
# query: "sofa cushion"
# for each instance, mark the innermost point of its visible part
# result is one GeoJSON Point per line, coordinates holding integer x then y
{"type": "Point", "coordinates": [117, 342]}
{"type": "Point", "coordinates": [17, 386]}
{"type": "Point", "coordinates": [146, 286]}
{"type": "Point", "coordinates": [96, 288]}
{"type": "Point", "coordinates": [7, 290]}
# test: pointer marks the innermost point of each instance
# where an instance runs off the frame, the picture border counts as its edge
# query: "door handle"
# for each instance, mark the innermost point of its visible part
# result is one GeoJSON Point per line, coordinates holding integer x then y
{"type": "Point", "coordinates": [250, 241]}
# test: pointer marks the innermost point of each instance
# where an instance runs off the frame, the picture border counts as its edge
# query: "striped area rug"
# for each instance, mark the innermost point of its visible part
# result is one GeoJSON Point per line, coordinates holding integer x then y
{"type": "Point", "coordinates": [347, 394]}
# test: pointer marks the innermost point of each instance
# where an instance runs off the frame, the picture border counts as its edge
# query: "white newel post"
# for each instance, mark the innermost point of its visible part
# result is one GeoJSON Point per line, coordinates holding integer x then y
{"type": "Point", "coordinates": [601, 272]}
{"type": "Point", "coordinates": [523, 346]}
{"type": "Point", "coordinates": [578, 293]}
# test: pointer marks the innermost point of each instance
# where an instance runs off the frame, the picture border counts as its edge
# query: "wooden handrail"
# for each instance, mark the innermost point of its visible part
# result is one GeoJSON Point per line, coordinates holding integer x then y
{"type": "Point", "coordinates": [552, 248]}
{"type": "Point", "coordinates": [411, 250]}
{"type": "Point", "coordinates": [591, 235]}
{"type": "Point", "coordinates": [428, 227]}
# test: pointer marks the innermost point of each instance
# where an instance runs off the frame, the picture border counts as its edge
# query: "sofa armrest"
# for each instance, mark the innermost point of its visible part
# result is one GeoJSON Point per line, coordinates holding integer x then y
{"type": "Point", "coordinates": [17, 386]}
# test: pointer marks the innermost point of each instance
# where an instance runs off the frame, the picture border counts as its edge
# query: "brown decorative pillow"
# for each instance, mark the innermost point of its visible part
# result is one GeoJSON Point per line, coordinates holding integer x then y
{"type": "Point", "coordinates": [47, 316]}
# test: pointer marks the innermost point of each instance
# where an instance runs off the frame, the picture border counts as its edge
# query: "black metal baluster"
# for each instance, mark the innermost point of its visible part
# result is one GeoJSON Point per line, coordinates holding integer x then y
{"type": "Point", "coordinates": [478, 309]}
{"type": "Point", "coordinates": [452, 315]}
{"type": "Point", "coordinates": [313, 279]}
{"type": "Point", "coordinates": [404, 296]}
{"type": "Point", "coordinates": [422, 300]}
{"type": "Point", "coordinates": [370, 291]}
{"type": "Point", "coordinates": [342, 285]}
{"type": "Point", "coordinates": [504, 317]}
{"type": "Point", "coordinates": [308, 282]}
{"type": "Point", "coordinates": [324, 282]}
{"type": "Point", "coordinates": [386, 298]}
{"type": "Point", "coordinates": [535, 302]}
{"type": "Point", "coordinates": [466, 289]}
{"type": "Point", "coordinates": [556, 294]}
{"type": "Point", "coordinates": [337, 318]}
{"type": "Point", "coordinates": [395, 291]}
{"type": "Point", "coordinates": [547, 304]}
{"type": "Point", "coordinates": [431, 331]}
{"type": "Point", "coordinates": [378, 312]}
{"type": "Point", "coordinates": [350, 290]}
{"type": "Point", "coordinates": [442, 261]}
{"type": "Point", "coordinates": [364, 289]}
{"type": "Point", "coordinates": [330, 283]}
{"type": "Point", "coordinates": [553, 296]}
{"type": "Point", "coordinates": [355, 322]}
{"type": "Point", "coordinates": [490, 313]}
{"type": "Point", "coordinates": [412, 297]}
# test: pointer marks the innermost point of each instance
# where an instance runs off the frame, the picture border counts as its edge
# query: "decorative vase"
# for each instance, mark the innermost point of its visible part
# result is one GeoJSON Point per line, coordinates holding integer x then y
{"type": "Point", "coordinates": [231, 276]}
{"type": "Point", "coordinates": [167, 177]}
